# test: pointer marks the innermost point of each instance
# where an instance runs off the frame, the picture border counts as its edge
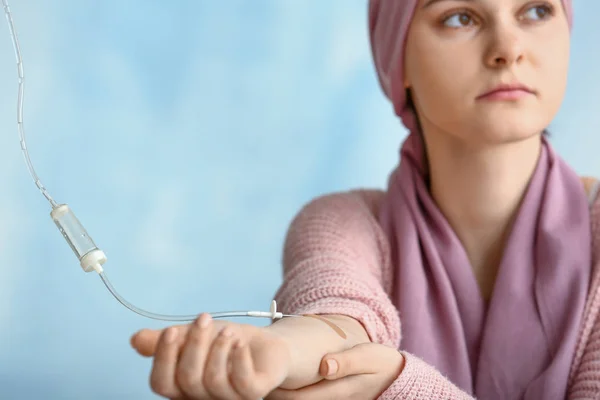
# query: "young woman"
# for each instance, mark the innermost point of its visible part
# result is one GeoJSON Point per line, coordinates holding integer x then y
{"type": "Point", "coordinates": [473, 274]}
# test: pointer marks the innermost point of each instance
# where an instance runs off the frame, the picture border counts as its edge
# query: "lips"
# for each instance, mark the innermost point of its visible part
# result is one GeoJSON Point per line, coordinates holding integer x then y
{"type": "Point", "coordinates": [507, 91]}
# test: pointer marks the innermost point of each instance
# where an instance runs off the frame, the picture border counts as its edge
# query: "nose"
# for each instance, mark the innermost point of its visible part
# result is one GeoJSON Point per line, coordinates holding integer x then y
{"type": "Point", "coordinates": [505, 47]}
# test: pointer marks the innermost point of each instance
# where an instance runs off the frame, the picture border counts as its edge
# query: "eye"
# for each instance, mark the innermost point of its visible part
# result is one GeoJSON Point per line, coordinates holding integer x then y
{"type": "Point", "coordinates": [458, 20]}
{"type": "Point", "coordinates": [539, 13]}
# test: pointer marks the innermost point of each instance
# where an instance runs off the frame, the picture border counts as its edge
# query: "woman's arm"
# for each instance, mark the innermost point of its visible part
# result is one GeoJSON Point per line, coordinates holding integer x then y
{"type": "Point", "coordinates": [337, 261]}
{"type": "Point", "coordinates": [336, 264]}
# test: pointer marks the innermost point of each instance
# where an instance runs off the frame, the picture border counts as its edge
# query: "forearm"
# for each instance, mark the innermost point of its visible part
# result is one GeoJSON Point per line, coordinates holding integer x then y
{"type": "Point", "coordinates": [336, 263]}
{"type": "Point", "coordinates": [309, 339]}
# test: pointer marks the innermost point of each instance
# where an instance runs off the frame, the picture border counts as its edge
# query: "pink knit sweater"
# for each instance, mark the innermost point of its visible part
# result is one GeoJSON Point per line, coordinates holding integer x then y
{"type": "Point", "coordinates": [336, 261]}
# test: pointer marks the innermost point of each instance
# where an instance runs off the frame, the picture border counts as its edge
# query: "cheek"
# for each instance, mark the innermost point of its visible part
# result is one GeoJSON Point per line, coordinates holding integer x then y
{"type": "Point", "coordinates": [440, 92]}
{"type": "Point", "coordinates": [552, 74]}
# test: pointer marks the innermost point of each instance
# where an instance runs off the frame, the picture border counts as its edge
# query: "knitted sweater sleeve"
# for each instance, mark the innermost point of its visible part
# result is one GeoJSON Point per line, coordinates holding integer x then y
{"type": "Point", "coordinates": [419, 380]}
{"type": "Point", "coordinates": [337, 261]}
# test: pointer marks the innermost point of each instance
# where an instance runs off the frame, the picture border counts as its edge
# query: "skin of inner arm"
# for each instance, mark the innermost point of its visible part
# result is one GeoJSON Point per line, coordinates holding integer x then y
{"type": "Point", "coordinates": [310, 338]}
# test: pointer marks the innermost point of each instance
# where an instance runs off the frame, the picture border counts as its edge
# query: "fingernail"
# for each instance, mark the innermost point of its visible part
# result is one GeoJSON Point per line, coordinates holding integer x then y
{"type": "Point", "coordinates": [332, 367]}
{"type": "Point", "coordinates": [170, 335]}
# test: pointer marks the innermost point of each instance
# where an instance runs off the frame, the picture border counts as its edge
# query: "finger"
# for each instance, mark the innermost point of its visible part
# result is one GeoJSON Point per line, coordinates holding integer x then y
{"type": "Point", "coordinates": [162, 377]}
{"type": "Point", "coordinates": [190, 367]}
{"type": "Point", "coordinates": [216, 377]}
{"type": "Point", "coordinates": [243, 377]}
{"type": "Point", "coordinates": [366, 358]}
{"type": "Point", "coordinates": [351, 387]}
{"type": "Point", "coordinates": [146, 340]}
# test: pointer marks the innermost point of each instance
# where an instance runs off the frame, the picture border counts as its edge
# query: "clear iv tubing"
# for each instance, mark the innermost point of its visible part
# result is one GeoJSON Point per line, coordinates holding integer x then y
{"type": "Point", "coordinates": [223, 314]}
{"type": "Point", "coordinates": [90, 256]}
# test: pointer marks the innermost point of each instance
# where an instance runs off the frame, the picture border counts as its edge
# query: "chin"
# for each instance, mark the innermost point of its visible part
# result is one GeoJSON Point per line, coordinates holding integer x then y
{"type": "Point", "coordinates": [504, 128]}
{"type": "Point", "coordinates": [496, 134]}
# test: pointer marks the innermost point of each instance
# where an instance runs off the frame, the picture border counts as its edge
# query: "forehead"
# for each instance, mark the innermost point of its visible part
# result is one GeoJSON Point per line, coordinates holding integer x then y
{"type": "Point", "coordinates": [429, 3]}
{"type": "Point", "coordinates": [493, 5]}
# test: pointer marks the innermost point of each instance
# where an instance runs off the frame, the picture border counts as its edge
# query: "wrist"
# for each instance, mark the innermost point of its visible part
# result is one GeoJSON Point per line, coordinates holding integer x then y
{"type": "Point", "coordinates": [291, 356]}
{"type": "Point", "coordinates": [282, 342]}
{"type": "Point", "coordinates": [307, 340]}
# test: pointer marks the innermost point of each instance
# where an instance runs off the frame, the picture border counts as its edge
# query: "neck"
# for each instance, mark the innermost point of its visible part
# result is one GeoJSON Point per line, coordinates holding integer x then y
{"type": "Point", "coordinates": [479, 190]}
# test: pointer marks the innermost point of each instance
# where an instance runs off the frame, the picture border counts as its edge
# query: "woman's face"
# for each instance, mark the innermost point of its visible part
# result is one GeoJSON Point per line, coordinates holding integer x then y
{"type": "Point", "coordinates": [459, 50]}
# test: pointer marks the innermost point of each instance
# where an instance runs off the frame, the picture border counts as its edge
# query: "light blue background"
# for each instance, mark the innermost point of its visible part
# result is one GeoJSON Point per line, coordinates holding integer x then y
{"type": "Point", "coordinates": [186, 135]}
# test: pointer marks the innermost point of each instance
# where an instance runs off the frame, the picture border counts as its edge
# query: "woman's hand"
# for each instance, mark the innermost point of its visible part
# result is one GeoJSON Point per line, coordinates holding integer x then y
{"type": "Point", "coordinates": [361, 373]}
{"type": "Point", "coordinates": [214, 360]}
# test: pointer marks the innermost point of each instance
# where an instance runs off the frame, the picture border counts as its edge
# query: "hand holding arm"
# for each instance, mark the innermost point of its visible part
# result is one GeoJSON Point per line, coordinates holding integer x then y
{"type": "Point", "coordinates": [362, 372]}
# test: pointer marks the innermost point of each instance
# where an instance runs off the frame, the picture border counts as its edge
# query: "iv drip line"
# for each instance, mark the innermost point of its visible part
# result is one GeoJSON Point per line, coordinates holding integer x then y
{"type": "Point", "coordinates": [91, 258]}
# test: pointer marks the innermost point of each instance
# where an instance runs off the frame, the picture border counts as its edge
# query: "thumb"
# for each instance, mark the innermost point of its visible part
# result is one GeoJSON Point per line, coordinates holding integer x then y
{"type": "Point", "coordinates": [145, 341]}
{"type": "Point", "coordinates": [360, 359]}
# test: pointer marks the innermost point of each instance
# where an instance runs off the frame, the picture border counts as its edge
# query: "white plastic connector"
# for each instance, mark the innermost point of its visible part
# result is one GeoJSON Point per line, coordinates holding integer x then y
{"type": "Point", "coordinates": [59, 211]}
{"type": "Point", "coordinates": [273, 313]}
{"type": "Point", "coordinates": [93, 261]}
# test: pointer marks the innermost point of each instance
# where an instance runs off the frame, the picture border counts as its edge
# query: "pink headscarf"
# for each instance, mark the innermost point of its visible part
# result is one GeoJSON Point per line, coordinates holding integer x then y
{"type": "Point", "coordinates": [521, 345]}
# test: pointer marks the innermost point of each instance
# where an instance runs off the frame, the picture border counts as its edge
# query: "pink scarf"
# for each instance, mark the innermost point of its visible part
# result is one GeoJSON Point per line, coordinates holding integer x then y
{"type": "Point", "coordinates": [520, 346]}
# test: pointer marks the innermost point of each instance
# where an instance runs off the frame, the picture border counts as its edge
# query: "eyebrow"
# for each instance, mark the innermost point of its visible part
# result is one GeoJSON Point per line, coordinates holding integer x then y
{"type": "Point", "coordinates": [432, 2]}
